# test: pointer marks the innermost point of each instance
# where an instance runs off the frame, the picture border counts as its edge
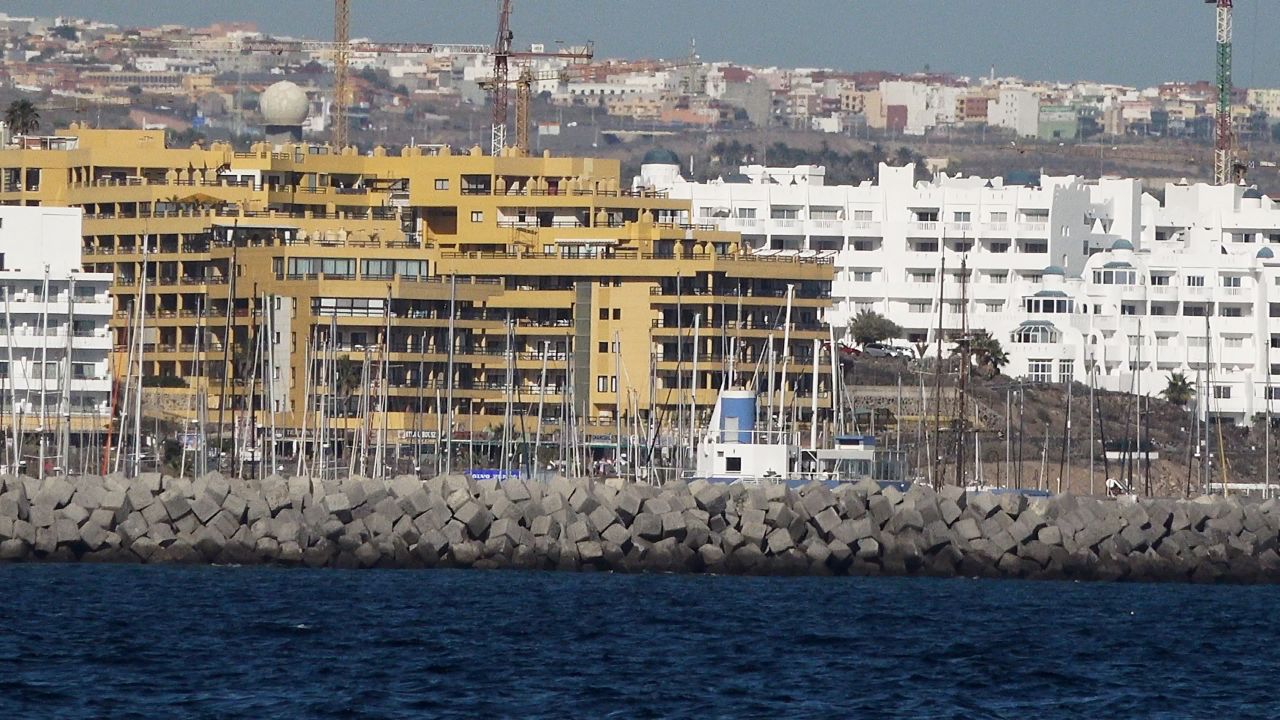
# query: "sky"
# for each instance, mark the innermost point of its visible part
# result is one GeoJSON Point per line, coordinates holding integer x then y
{"type": "Point", "coordinates": [1134, 42]}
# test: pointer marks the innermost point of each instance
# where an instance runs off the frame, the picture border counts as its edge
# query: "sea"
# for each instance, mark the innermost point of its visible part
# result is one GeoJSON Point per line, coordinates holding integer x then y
{"type": "Point", "coordinates": [102, 641]}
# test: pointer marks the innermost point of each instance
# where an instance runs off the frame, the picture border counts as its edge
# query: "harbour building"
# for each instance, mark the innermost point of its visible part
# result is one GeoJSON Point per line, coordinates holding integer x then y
{"type": "Point", "coordinates": [424, 292]}
{"type": "Point", "coordinates": [1075, 278]}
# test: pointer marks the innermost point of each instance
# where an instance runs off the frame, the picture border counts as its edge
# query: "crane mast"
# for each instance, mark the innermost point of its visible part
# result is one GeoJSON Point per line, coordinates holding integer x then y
{"type": "Point", "coordinates": [1223, 151]}
{"type": "Point", "coordinates": [341, 54]}
{"type": "Point", "coordinates": [501, 58]}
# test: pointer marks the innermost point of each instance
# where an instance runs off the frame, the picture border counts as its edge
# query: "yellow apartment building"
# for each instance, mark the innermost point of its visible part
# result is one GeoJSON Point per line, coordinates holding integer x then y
{"type": "Point", "coordinates": [264, 275]}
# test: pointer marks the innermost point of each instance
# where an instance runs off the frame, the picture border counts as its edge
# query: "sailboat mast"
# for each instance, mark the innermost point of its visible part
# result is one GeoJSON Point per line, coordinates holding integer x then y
{"type": "Point", "coordinates": [453, 312]}
{"type": "Point", "coordinates": [936, 456]}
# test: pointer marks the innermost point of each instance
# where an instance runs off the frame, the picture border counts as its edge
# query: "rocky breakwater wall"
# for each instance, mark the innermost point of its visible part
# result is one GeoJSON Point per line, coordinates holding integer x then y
{"type": "Point", "coordinates": [452, 521]}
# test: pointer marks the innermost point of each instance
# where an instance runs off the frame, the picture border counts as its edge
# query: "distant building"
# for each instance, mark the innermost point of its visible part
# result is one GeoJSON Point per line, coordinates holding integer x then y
{"type": "Point", "coordinates": [54, 369]}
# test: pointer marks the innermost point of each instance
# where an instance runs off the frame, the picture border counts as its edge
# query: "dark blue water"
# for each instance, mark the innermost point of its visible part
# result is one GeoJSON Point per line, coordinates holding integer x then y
{"type": "Point", "coordinates": [149, 642]}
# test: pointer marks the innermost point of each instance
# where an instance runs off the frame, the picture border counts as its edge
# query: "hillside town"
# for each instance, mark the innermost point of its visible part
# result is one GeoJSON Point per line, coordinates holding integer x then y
{"type": "Point", "coordinates": [208, 79]}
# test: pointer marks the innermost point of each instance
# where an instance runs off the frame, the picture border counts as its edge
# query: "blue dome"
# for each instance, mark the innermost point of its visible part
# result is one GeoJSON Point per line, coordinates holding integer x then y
{"type": "Point", "coordinates": [1054, 270]}
{"type": "Point", "coordinates": [1265, 253]}
{"type": "Point", "coordinates": [1122, 245]}
{"type": "Point", "coordinates": [660, 156]}
{"type": "Point", "coordinates": [1253, 193]}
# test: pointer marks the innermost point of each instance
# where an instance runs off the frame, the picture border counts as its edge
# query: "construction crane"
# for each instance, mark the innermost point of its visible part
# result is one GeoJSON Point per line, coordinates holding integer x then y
{"type": "Point", "coordinates": [499, 84]}
{"type": "Point", "coordinates": [341, 55]}
{"type": "Point", "coordinates": [1227, 168]}
{"type": "Point", "coordinates": [524, 99]}
{"type": "Point", "coordinates": [501, 58]}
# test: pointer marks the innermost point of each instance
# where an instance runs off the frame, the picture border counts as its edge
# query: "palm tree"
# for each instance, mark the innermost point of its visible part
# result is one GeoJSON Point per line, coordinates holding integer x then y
{"type": "Point", "coordinates": [22, 117]}
{"type": "Point", "coordinates": [1179, 389]}
{"type": "Point", "coordinates": [985, 353]}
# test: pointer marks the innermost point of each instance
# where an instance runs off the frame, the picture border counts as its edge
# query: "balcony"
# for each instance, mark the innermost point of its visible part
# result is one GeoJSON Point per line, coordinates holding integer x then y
{"type": "Point", "coordinates": [863, 228]}
{"type": "Point", "coordinates": [922, 229]}
{"type": "Point", "coordinates": [964, 228]}
{"type": "Point", "coordinates": [784, 226]}
{"type": "Point", "coordinates": [1034, 229]}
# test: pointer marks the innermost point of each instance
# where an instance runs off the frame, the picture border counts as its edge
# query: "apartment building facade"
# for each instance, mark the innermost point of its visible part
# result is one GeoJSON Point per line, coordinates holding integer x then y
{"type": "Point", "coordinates": [1072, 277]}
{"type": "Point", "coordinates": [563, 291]}
{"type": "Point", "coordinates": [55, 367]}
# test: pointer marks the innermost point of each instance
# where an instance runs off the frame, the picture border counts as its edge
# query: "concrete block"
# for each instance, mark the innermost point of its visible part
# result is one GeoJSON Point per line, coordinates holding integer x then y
{"type": "Point", "coordinates": [779, 541]}
{"type": "Point", "coordinates": [204, 508]}
{"type": "Point", "coordinates": [1049, 535]}
{"type": "Point", "coordinates": [617, 535]}
{"type": "Point", "coordinates": [175, 504]}
{"type": "Point", "coordinates": [75, 513]}
{"type": "Point", "coordinates": [582, 501]}
{"type": "Point", "coordinates": [648, 526]}
{"type": "Point", "coordinates": [577, 532]}
{"type": "Point", "coordinates": [601, 518]}
{"type": "Point", "coordinates": [627, 504]}
{"type": "Point", "coordinates": [673, 525]}
{"type": "Point", "coordinates": [475, 517]}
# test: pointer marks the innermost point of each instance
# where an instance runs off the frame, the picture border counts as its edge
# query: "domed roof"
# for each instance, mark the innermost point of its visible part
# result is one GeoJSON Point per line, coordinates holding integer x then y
{"type": "Point", "coordinates": [1265, 253]}
{"type": "Point", "coordinates": [737, 179]}
{"type": "Point", "coordinates": [1122, 245]}
{"type": "Point", "coordinates": [1253, 193]}
{"type": "Point", "coordinates": [660, 156]}
{"type": "Point", "coordinates": [1053, 270]}
{"type": "Point", "coordinates": [284, 103]}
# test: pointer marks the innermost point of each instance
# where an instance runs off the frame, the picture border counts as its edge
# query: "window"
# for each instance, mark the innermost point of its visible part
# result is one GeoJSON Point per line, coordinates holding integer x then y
{"type": "Point", "coordinates": [925, 215]}
{"type": "Point", "coordinates": [442, 184]}
{"type": "Point", "coordinates": [1273, 393]}
{"type": "Point", "coordinates": [926, 247]}
{"type": "Point", "coordinates": [1128, 309]}
{"type": "Point", "coordinates": [1040, 371]}
{"type": "Point", "coordinates": [1222, 392]}
{"type": "Point", "coordinates": [745, 213]}
{"type": "Point", "coordinates": [602, 383]}
{"type": "Point", "coordinates": [1190, 310]}
{"type": "Point", "coordinates": [617, 313]}
{"type": "Point", "coordinates": [1195, 281]}
{"type": "Point", "coordinates": [1195, 341]}
{"type": "Point", "coordinates": [1000, 247]}
{"type": "Point", "coordinates": [1161, 236]}
{"type": "Point", "coordinates": [1037, 248]}
{"type": "Point", "coordinates": [782, 213]}
{"type": "Point", "coordinates": [1066, 371]}
{"type": "Point", "coordinates": [862, 215]}
{"type": "Point", "coordinates": [1232, 311]}
{"type": "Point", "coordinates": [604, 313]}
{"type": "Point", "coordinates": [866, 246]}
{"type": "Point", "coordinates": [1231, 281]}
{"type": "Point", "coordinates": [707, 211]}
{"type": "Point", "coordinates": [919, 307]}
{"type": "Point", "coordinates": [999, 217]}
{"type": "Point", "coordinates": [1162, 341]}
{"type": "Point", "coordinates": [733, 464]}
{"type": "Point", "coordinates": [1233, 342]}
{"type": "Point", "coordinates": [477, 216]}
{"type": "Point", "coordinates": [603, 346]}
{"type": "Point", "coordinates": [824, 214]}
{"type": "Point", "coordinates": [963, 216]}
{"type": "Point", "coordinates": [861, 276]}
{"type": "Point", "coordinates": [1036, 333]}
{"type": "Point", "coordinates": [993, 307]}
{"type": "Point", "coordinates": [613, 384]}
{"type": "Point", "coordinates": [1159, 280]}
{"type": "Point", "coordinates": [998, 278]}
{"type": "Point", "coordinates": [923, 277]}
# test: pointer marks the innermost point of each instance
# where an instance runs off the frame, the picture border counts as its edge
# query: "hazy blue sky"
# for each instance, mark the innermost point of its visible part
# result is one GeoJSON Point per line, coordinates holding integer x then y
{"type": "Point", "coordinates": [1128, 41]}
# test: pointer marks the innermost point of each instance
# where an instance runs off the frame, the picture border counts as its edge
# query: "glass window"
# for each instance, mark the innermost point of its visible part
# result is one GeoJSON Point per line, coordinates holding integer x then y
{"type": "Point", "coordinates": [1040, 371]}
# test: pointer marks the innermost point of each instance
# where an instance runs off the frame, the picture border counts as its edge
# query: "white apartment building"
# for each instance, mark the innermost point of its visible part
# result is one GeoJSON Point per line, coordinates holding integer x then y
{"type": "Point", "coordinates": [1068, 275]}
{"type": "Point", "coordinates": [54, 366]}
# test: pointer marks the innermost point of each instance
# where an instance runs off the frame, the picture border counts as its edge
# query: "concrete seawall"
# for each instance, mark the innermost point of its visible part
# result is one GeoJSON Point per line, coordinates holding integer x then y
{"type": "Point", "coordinates": [576, 525]}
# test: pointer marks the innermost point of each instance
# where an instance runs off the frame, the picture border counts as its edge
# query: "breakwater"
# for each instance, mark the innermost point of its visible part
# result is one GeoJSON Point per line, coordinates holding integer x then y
{"type": "Point", "coordinates": [453, 521]}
